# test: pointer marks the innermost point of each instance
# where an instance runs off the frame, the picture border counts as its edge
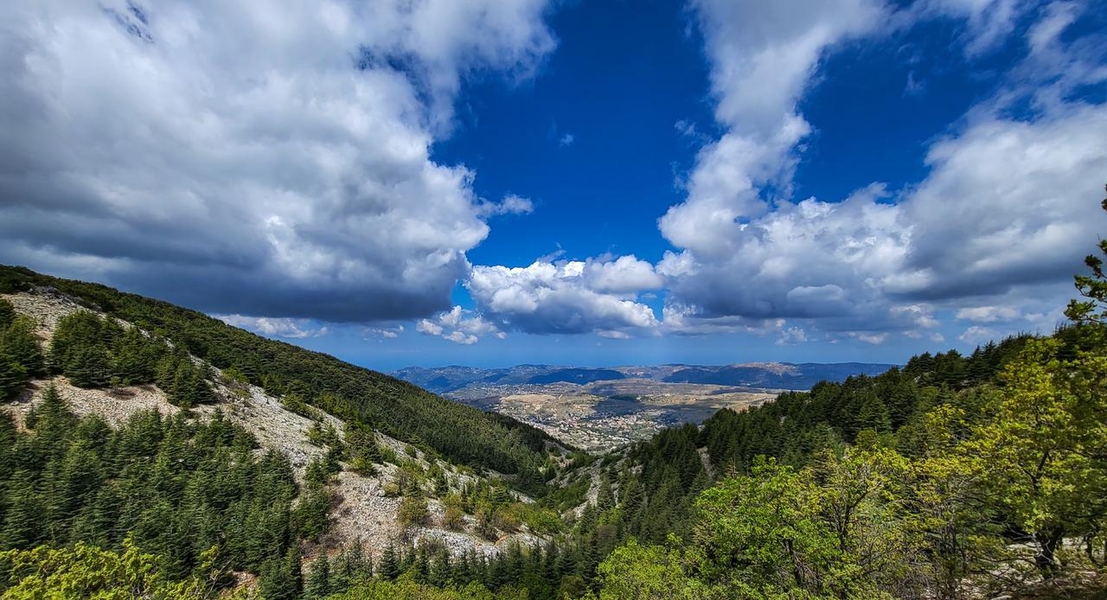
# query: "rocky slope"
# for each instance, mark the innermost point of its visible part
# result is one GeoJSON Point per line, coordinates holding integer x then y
{"type": "Point", "coordinates": [365, 508]}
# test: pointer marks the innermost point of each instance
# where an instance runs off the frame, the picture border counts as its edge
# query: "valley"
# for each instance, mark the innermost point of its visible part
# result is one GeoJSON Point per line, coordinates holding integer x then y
{"type": "Point", "coordinates": [599, 409]}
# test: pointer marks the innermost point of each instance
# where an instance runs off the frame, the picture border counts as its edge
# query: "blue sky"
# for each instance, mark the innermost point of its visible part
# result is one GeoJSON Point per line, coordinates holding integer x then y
{"type": "Point", "coordinates": [494, 182]}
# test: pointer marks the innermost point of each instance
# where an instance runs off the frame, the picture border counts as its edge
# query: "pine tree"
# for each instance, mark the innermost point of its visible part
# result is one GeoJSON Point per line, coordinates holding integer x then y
{"type": "Point", "coordinates": [20, 346]}
{"type": "Point", "coordinates": [605, 498]}
{"type": "Point", "coordinates": [89, 367]}
{"type": "Point", "coordinates": [74, 333]}
{"type": "Point", "coordinates": [13, 378]}
{"type": "Point", "coordinates": [7, 313]}
{"type": "Point", "coordinates": [310, 517]}
{"type": "Point", "coordinates": [389, 567]}
{"type": "Point", "coordinates": [1093, 309]}
{"type": "Point", "coordinates": [135, 357]}
{"type": "Point", "coordinates": [280, 578]}
{"type": "Point", "coordinates": [318, 583]}
{"type": "Point", "coordinates": [873, 414]}
{"type": "Point", "coordinates": [51, 421]}
{"type": "Point", "coordinates": [24, 526]}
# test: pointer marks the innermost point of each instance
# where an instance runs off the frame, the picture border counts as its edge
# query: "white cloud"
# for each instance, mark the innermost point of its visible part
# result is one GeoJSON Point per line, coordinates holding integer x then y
{"type": "Point", "coordinates": [791, 335]}
{"type": "Point", "coordinates": [870, 338]}
{"type": "Point", "coordinates": [1006, 209]}
{"type": "Point", "coordinates": [988, 314]}
{"type": "Point", "coordinates": [989, 21]}
{"type": "Point", "coordinates": [460, 326]}
{"type": "Point", "coordinates": [428, 327]}
{"type": "Point", "coordinates": [566, 140]}
{"type": "Point", "coordinates": [275, 327]}
{"type": "Point", "coordinates": [388, 333]}
{"type": "Point", "coordinates": [623, 275]}
{"type": "Point", "coordinates": [1007, 203]}
{"type": "Point", "coordinates": [736, 257]}
{"type": "Point", "coordinates": [567, 296]}
{"type": "Point", "coordinates": [510, 205]}
{"type": "Point", "coordinates": [979, 335]}
{"type": "Point", "coordinates": [809, 260]}
{"type": "Point", "coordinates": [271, 160]}
{"type": "Point", "coordinates": [460, 337]}
{"type": "Point", "coordinates": [762, 56]}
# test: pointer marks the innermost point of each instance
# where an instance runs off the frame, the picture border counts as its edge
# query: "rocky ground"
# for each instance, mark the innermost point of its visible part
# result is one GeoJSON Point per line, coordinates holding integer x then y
{"type": "Point", "coordinates": [362, 512]}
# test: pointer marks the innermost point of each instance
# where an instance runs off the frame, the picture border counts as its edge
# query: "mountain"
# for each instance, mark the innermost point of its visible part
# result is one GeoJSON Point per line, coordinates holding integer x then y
{"type": "Point", "coordinates": [126, 439]}
{"type": "Point", "coordinates": [778, 376]}
{"type": "Point", "coordinates": [459, 433]}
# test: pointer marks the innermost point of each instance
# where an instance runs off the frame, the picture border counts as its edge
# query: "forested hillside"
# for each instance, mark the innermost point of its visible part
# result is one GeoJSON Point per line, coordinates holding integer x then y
{"type": "Point", "coordinates": [460, 434]}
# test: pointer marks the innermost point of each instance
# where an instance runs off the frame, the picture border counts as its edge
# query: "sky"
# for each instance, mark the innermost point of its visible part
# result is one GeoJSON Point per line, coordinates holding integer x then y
{"type": "Point", "coordinates": [585, 182]}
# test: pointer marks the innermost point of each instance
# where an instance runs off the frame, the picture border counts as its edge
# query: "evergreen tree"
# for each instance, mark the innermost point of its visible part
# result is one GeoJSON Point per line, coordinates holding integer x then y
{"type": "Point", "coordinates": [389, 567]}
{"type": "Point", "coordinates": [280, 577]}
{"type": "Point", "coordinates": [24, 526]}
{"type": "Point", "coordinates": [19, 345]}
{"type": "Point", "coordinates": [1093, 288]}
{"type": "Point", "coordinates": [135, 357]}
{"type": "Point", "coordinates": [7, 313]}
{"type": "Point", "coordinates": [310, 517]}
{"type": "Point", "coordinates": [13, 378]}
{"type": "Point", "coordinates": [89, 367]}
{"type": "Point", "coordinates": [318, 583]}
{"type": "Point", "coordinates": [51, 421]}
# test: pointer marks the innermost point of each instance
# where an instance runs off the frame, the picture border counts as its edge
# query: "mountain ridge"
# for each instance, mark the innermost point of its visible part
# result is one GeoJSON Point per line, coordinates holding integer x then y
{"type": "Point", "coordinates": [771, 375]}
{"type": "Point", "coordinates": [461, 434]}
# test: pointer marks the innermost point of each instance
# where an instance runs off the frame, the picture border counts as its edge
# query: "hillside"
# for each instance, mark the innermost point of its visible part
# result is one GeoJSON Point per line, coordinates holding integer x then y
{"type": "Point", "coordinates": [337, 487]}
{"type": "Point", "coordinates": [458, 433]}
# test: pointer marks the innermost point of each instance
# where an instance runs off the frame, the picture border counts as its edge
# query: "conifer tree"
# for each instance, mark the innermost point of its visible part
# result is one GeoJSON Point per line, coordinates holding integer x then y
{"type": "Point", "coordinates": [7, 313]}
{"type": "Point", "coordinates": [19, 345]}
{"type": "Point", "coordinates": [13, 378]}
{"type": "Point", "coordinates": [24, 526]}
{"type": "Point", "coordinates": [89, 367]}
{"type": "Point", "coordinates": [135, 357]}
{"type": "Point", "coordinates": [280, 577]}
{"type": "Point", "coordinates": [389, 567]}
{"type": "Point", "coordinates": [318, 584]}
{"type": "Point", "coordinates": [1093, 309]}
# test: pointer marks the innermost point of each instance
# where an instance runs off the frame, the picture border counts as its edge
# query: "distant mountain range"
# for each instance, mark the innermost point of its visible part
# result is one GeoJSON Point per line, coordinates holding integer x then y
{"type": "Point", "coordinates": [787, 376]}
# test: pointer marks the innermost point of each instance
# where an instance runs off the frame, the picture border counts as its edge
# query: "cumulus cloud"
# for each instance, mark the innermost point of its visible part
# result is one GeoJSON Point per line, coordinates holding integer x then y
{"type": "Point", "coordinates": [1007, 205]}
{"type": "Point", "coordinates": [566, 296]}
{"type": "Point", "coordinates": [566, 140]}
{"type": "Point", "coordinates": [510, 205]}
{"type": "Point", "coordinates": [988, 314]}
{"type": "Point", "coordinates": [388, 333]}
{"type": "Point", "coordinates": [762, 56]}
{"type": "Point", "coordinates": [459, 325]}
{"type": "Point", "coordinates": [791, 335]}
{"type": "Point", "coordinates": [272, 160]}
{"type": "Point", "coordinates": [979, 335]}
{"type": "Point", "coordinates": [275, 327]}
{"type": "Point", "coordinates": [809, 260]}
{"type": "Point", "coordinates": [737, 257]}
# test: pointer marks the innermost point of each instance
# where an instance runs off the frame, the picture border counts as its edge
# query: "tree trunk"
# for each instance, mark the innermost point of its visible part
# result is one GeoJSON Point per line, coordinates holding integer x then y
{"type": "Point", "coordinates": [1048, 543]}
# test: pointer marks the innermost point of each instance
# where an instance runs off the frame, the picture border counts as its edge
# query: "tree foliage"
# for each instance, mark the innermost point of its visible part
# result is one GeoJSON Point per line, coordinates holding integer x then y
{"type": "Point", "coordinates": [462, 434]}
